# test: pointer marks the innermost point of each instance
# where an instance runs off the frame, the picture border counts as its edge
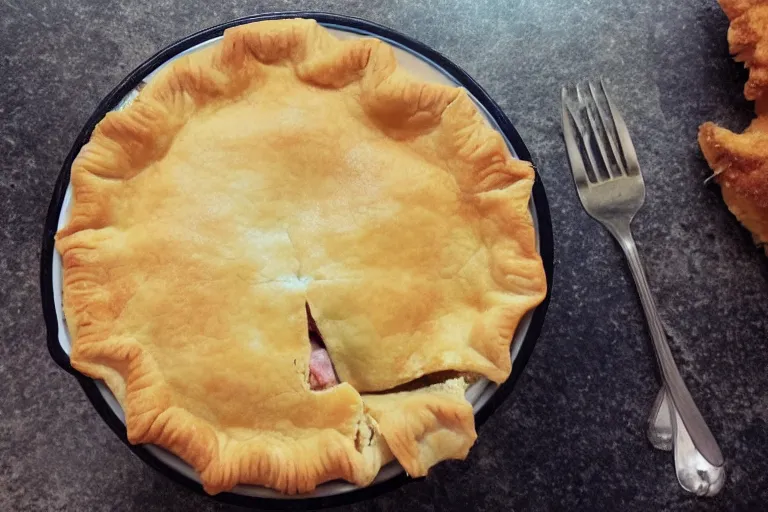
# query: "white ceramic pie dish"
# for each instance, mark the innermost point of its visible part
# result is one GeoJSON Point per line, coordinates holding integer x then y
{"type": "Point", "coordinates": [419, 61]}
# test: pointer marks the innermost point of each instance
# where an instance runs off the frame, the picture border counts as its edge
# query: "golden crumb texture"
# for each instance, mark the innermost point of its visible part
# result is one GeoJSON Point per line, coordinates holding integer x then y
{"type": "Point", "coordinates": [740, 161]}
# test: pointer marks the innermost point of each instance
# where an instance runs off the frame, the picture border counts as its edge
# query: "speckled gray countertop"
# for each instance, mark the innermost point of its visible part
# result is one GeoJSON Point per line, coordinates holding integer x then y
{"type": "Point", "coordinates": [571, 436]}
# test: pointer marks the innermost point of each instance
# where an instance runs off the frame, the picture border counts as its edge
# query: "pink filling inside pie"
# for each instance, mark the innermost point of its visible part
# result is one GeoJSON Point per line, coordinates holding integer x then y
{"type": "Point", "coordinates": [321, 373]}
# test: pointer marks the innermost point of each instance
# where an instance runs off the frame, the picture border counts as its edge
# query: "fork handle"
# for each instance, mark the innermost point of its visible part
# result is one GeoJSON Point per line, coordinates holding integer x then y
{"type": "Point", "coordinates": [667, 432]}
{"type": "Point", "coordinates": [701, 436]}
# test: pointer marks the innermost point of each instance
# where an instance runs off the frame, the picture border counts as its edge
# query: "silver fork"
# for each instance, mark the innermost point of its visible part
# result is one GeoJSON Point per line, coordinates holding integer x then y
{"type": "Point", "coordinates": [612, 191]}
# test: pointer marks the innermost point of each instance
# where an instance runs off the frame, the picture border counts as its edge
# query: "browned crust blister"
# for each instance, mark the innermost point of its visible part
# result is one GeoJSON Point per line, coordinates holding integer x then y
{"type": "Point", "coordinates": [142, 287]}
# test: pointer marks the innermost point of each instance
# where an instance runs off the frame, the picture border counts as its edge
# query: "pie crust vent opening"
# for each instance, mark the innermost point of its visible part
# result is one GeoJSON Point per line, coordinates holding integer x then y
{"type": "Point", "coordinates": [431, 379]}
{"type": "Point", "coordinates": [322, 374]}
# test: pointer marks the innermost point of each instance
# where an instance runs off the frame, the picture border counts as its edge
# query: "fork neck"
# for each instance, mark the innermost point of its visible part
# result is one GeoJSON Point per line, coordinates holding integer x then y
{"type": "Point", "coordinates": [620, 229]}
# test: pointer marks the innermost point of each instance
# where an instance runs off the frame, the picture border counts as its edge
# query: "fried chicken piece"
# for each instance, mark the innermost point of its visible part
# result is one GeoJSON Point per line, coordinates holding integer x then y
{"type": "Point", "coordinates": [748, 42]}
{"type": "Point", "coordinates": [735, 8]}
{"type": "Point", "coordinates": [740, 163]}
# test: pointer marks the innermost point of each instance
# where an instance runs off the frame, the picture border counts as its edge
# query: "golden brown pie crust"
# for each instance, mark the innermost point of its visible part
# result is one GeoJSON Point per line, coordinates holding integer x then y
{"type": "Point", "coordinates": [276, 168]}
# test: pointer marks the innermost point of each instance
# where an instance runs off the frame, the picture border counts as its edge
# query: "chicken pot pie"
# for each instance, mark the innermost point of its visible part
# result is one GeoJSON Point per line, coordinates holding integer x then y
{"type": "Point", "coordinates": [287, 258]}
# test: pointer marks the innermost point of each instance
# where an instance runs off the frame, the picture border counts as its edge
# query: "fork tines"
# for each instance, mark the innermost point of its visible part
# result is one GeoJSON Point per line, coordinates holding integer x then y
{"type": "Point", "coordinates": [604, 139]}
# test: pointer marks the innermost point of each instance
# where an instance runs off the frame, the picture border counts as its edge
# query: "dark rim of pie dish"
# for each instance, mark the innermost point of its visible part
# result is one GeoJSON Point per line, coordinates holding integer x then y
{"type": "Point", "coordinates": [128, 84]}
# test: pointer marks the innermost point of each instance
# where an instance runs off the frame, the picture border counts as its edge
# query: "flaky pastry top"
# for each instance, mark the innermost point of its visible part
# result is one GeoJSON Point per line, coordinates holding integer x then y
{"type": "Point", "coordinates": [280, 168]}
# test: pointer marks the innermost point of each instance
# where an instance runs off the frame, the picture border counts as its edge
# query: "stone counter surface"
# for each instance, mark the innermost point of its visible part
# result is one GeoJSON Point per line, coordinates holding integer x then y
{"type": "Point", "coordinates": [571, 435]}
